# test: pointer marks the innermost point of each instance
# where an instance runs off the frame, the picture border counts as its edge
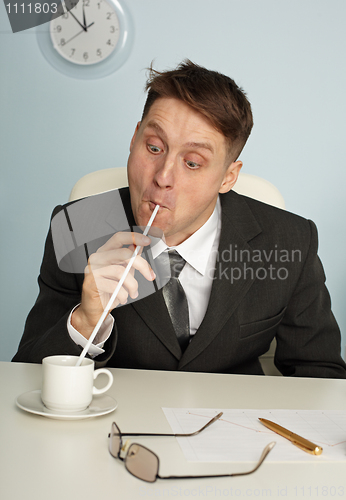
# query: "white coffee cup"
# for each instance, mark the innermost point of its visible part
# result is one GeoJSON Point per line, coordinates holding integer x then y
{"type": "Point", "coordinates": [67, 387]}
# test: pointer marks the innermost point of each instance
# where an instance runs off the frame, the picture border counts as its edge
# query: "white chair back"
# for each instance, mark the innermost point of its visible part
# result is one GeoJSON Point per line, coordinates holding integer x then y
{"type": "Point", "coordinates": [99, 181]}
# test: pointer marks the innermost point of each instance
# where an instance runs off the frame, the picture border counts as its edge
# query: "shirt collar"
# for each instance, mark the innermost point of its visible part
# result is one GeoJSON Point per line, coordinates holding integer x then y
{"type": "Point", "coordinates": [196, 249]}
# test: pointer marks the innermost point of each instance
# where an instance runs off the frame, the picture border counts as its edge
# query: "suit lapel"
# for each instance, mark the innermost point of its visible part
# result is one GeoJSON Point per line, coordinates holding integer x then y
{"type": "Point", "coordinates": [154, 313]}
{"type": "Point", "coordinates": [229, 286]}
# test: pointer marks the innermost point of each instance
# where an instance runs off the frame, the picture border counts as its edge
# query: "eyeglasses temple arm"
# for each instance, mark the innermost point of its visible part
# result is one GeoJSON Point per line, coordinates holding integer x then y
{"type": "Point", "coordinates": [265, 452]}
{"type": "Point", "coordinates": [219, 415]}
{"type": "Point", "coordinates": [178, 435]}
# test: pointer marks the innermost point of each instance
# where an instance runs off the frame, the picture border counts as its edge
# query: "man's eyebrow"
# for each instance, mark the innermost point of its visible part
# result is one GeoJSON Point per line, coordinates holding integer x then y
{"type": "Point", "coordinates": [199, 145]}
{"type": "Point", "coordinates": [156, 126]}
{"type": "Point", "coordinates": [194, 145]}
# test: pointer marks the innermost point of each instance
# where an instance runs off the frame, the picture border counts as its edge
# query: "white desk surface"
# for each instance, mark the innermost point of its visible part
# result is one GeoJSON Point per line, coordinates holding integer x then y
{"type": "Point", "coordinates": [63, 460]}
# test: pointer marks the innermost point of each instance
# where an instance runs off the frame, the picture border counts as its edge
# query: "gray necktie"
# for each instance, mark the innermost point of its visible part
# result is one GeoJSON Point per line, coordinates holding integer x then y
{"type": "Point", "coordinates": [176, 300]}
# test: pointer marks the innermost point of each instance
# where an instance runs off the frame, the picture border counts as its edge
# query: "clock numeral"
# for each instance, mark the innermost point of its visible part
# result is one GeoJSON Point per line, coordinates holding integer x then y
{"type": "Point", "coordinates": [99, 53]}
{"type": "Point", "coordinates": [113, 29]}
{"type": "Point", "coordinates": [99, 5]}
{"type": "Point", "coordinates": [65, 16]}
{"type": "Point", "coordinates": [85, 56]}
{"type": "Point", "coordinates": [109, 14]}
{"type": "Point", "coordinates": [72, 52]}
{"type": "Point", "coordinates": [109, 42]}
{"type": "Point", "coordinates": [62, 41]}
{"type": "Point", "coordinates": [86, 3]}
{"type": "Point", "coordinates": [58, 28]}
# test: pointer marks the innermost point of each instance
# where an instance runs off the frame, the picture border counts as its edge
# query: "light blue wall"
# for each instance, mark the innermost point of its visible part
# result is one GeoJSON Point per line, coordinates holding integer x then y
{"type": "Point", "coordinates": [289, 56]}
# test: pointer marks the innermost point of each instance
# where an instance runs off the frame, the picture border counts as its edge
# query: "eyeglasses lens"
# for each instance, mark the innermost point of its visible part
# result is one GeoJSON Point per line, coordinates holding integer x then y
{"type": "Point", "coordinates": [114, 442]}
{"type": "Point", "coordinates": [142, 463]}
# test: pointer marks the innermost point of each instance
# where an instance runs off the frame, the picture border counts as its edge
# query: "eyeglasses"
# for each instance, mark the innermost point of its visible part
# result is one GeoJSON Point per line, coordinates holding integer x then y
{"type": "Point", "coordinates": [144, 463]}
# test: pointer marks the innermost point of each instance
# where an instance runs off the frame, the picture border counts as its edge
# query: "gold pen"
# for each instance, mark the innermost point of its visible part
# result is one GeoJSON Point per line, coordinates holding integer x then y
{"type": "Point", "coordinates": [299, 441]}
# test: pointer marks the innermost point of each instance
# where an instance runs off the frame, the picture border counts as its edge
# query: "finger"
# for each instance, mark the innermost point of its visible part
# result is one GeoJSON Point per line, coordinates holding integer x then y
{"type": "Point", "coordinates": [107, 279]}
{"type": "Point", "coordinates": [125, 238]}
{"type": "Point", "coordinates": [107, 259]}
{"type": "Point", "coordinates": [121, 298]}
{"type": "Point", "coordinates": [133, 248]}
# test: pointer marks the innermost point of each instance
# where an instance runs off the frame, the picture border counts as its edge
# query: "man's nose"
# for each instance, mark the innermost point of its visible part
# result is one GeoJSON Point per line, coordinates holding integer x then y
{"type": "Point", "coordinates": [164, 175]}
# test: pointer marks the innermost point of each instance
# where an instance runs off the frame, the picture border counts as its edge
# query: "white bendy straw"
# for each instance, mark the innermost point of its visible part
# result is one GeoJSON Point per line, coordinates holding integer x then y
{"type": "Point", "coordinates": [115, 293]}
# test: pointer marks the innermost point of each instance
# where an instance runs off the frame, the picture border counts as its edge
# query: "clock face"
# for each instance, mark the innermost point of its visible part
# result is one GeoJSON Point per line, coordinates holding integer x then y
{"type": "Point", "coordinates": [87, 34]}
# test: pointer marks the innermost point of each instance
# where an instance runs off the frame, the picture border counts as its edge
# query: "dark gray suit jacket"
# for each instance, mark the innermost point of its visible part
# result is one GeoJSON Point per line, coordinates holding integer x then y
{"type": "Point", "coordinates": [268, 283]}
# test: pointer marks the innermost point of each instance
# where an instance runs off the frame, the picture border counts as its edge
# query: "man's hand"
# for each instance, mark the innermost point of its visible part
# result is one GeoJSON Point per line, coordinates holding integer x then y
{"type": "Point", "coordinates": [102, 274]}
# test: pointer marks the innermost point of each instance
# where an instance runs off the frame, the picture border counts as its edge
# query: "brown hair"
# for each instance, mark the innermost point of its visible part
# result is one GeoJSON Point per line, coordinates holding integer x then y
{"type": "Point", "coordinates": [213, 94]}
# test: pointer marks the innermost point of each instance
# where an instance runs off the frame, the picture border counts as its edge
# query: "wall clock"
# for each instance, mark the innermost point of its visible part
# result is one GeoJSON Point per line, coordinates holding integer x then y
{"type": "Point", "coordinates": [91, 40]}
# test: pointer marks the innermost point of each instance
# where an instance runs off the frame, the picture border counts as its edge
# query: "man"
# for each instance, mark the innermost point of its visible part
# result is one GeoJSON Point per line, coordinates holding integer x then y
{"type": "Point", "coordinates": [251, 273]}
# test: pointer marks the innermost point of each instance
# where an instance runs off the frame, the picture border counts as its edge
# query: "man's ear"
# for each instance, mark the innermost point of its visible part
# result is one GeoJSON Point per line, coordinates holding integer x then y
{"type": "Point", "coordinates": [134, 135]}
{"type": "Point", "coordinates": [231, 176]}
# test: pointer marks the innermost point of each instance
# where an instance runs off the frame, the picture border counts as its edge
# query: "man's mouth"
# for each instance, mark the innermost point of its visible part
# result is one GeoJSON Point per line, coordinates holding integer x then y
{"type": "Point", "coordinates": [152, 205]}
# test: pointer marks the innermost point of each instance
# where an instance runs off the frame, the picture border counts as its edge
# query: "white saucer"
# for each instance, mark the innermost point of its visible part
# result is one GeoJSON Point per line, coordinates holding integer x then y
{"type": "Point", "coordinates": [31, 402]}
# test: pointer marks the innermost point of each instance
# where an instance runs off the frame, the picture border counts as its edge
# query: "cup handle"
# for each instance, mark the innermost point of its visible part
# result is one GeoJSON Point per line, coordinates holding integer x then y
{"type": "Point", "coordinates": [108, 385]}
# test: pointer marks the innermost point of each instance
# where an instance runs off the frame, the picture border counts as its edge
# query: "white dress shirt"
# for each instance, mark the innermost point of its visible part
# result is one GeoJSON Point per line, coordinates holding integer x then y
{"type": "Point", "coordinates": [200, 252]}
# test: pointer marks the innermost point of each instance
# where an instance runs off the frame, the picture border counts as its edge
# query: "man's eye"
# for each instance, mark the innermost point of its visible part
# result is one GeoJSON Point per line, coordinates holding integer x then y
{"type": "Point", "coordinates": [154, 149]}
{"type": "Point", "coordinates": [192, 164]}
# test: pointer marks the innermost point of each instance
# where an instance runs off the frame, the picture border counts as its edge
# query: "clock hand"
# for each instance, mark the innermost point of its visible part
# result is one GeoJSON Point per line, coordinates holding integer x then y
{"type": "Point", "coordinates": [80, 24]}
{"type": "Point", "coordinates": [84, 20]}
{"type": "Point", "coordinates": [81, 31]}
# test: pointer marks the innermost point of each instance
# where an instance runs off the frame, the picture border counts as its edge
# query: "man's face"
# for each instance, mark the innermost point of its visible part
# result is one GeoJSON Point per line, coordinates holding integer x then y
{"type": "Point", "coordinates": [177, 160]}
